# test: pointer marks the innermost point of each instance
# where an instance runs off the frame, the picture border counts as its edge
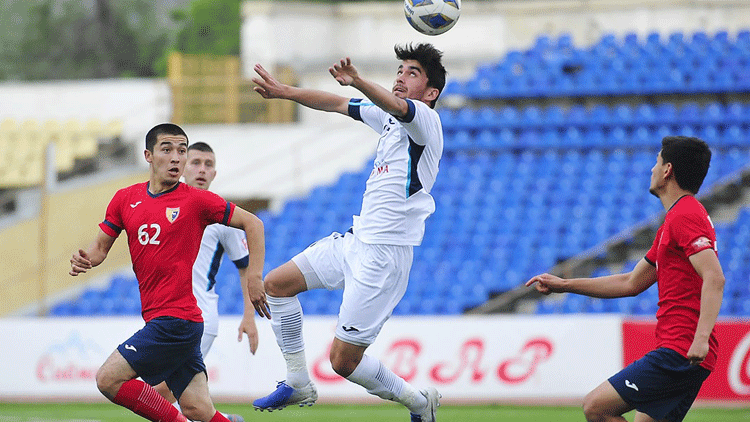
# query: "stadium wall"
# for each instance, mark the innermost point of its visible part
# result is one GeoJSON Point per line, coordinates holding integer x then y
{"type": "Point", "coordinates": [137, 103]}
{"type": "Point", "coordinates": [73, 217]}
{"type": "Point", "coordinates": [549, 359]}
{"type": "Point", "coordinates": [276, 162]}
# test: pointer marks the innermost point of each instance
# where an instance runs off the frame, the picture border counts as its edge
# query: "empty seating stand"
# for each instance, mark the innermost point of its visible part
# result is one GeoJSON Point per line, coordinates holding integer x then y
{"type": "Point", "coordinates": [23, 145]}
{"type": "Point", "coordinates": [523, 187]}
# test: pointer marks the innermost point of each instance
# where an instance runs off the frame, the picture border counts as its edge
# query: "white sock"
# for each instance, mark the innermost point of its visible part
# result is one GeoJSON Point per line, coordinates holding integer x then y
{"type": "Point", "coordinates": [296, 369]}
{"type": "Point", "coordinates": [382, 382]}
{"type": "Point", "coordinates": [286, 322]}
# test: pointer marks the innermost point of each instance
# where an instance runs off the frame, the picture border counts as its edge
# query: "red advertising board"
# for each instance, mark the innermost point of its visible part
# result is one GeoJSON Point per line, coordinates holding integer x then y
{"type": "Point", "coordinates": [730, 379]}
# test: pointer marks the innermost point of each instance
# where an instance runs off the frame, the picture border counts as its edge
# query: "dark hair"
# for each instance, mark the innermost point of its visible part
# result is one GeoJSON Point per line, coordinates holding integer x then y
{"type": "Point", "coordinates": [429, 57]}
{"type": "Point", "coordinates": [162, 129]}
{"type": "Point", "coordinates": [690, 158]}
{"type": "Point", "coordinates": [200, 146]}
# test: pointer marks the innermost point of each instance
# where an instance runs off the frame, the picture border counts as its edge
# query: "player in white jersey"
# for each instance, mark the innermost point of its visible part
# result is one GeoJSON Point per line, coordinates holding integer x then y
{"type": "Point", "coordinates": [373, 259]}
{"type": "Point", "coordinates": [200, 171]}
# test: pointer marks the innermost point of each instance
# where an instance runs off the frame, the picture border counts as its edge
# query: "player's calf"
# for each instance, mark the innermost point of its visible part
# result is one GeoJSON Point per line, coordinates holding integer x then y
{"type": "Point", "coordinates": [144, 401]}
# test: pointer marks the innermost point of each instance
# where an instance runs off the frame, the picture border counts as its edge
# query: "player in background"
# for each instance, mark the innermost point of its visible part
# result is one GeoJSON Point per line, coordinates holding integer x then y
{"type": "Point", "coordinates": [371, 261]}
{"type": "Point", "coordinates": [683, 260]}
{"type": "Point", "coordinates": [164, 220]}
{"type": "Point", "coordinates": [200, 171]}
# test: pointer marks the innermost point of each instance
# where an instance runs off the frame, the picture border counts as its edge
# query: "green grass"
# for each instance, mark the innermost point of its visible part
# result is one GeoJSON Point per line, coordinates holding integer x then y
{"type": "Point", "coordinates": [35, 412]}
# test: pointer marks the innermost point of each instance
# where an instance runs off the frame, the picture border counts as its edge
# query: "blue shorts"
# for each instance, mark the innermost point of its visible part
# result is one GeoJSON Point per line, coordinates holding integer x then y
{"type": "Point", "coordinates": [166, 349]}
{"type": "Point", "coordinates": [662, 384]}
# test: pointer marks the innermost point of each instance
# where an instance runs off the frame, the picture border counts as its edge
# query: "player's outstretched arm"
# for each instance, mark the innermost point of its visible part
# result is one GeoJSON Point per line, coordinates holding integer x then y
{"type": "Point", "coordinates": [611, 286]}
{"type": "Point", "coordinates": [247, 325]}
{"type": "Point", "coordinates": [707, 265]}
{"type": "Point", "coordinates": [95, 254]}
{"type": "Point", "coordinates": [269, 87]}
{"type": "Point", "coordinates": [256, 248]}
{"type": "Point", "coordinates": [347, 75]}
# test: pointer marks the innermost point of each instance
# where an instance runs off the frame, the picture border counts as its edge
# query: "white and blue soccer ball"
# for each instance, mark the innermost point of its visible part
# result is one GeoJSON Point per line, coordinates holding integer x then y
{"type": "Point", "coordinates": [432, 17]}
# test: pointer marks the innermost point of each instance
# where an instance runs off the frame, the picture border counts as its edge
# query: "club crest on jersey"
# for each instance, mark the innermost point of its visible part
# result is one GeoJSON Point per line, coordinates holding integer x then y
{"type": "Point", "coordinates": [172, 214]}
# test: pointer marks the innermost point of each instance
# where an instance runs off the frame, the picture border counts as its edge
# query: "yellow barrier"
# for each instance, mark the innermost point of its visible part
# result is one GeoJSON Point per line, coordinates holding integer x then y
{"type": "Point", "coordinates": [72, 224]}
{"type": "Point", "coordinates": [210, 89]}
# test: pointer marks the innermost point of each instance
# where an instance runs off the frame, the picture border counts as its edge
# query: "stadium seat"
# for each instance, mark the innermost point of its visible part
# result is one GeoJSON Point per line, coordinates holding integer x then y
{"type": "Point", "coordinates": [517, 178]}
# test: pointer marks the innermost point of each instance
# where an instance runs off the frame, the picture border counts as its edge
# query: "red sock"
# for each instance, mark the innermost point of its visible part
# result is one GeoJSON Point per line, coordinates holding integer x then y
{"type": "Point", "coordinates": [144, 401]}
{"type": "Point", "coordinates": [218, 417]}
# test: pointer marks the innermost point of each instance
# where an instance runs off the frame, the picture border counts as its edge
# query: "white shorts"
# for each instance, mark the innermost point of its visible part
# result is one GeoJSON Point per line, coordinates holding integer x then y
{"type": "Point", "coordinates": [206, 341]}
{"type": "Point", "coordinates": [374, 279]}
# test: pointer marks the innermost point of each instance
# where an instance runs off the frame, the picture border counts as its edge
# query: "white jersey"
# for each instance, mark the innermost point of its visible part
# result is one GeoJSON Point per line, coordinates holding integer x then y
{"type": "Point", "coordinates": [397, 198]}
{"type": "Point", "coordinates": [217, 239]}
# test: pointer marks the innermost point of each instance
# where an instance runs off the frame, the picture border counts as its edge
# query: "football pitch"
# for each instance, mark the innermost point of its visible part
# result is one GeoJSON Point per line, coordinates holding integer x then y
{"type": "Point", "coordinates": [36, 412]}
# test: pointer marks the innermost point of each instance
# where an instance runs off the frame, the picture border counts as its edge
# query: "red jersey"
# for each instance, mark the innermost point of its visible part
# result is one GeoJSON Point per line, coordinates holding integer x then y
{"type": "Point", "coordinates": [687, 230]}
{"type": "Point", "coordinates": [164, 236]}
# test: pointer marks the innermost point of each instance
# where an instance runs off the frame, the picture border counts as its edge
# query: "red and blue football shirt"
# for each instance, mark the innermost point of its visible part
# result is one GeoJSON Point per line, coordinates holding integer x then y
{"type": "Point", "coordinates": [164, 236]}
{"type": "Point", "coordinates": [687, 230]}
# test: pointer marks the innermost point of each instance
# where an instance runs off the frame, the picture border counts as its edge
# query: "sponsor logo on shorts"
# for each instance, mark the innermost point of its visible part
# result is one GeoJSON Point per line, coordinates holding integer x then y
{"type": "Point", "coordinates": [631, 385]}
{"type": "Point", "coordinates": [349, 329]}
{"type": "Point", "coordinates": [130, 347]}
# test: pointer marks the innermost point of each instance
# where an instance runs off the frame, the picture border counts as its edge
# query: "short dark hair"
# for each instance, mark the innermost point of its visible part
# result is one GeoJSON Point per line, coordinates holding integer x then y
{"type": "Point", "coordinates": [200, 146]}
{"type": "Point", "coordinates": [430, 58]}
{"type": "Point", "coordinates": [690, 158]}
{"type": "Point", "coordinates": [162, 129]}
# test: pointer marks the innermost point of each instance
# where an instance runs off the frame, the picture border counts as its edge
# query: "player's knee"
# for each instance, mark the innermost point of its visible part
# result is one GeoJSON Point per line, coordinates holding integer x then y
{"type": "Point", "coordinates": [343, 368]}
{"type": "Point", "coordinates": [191, 412]}
{"type": "Point", "coordinates": [342, 364]}
{"type": "Point", "coordinates": [272, 286]}
{"type": "Point", "coordinates": [285, 281]}
{"type": "Point", "coordinates": [106, 384]}
{"type": "Point", "coordinates": [591, 411]}
{"type": "Point", "coordinates": [163, 391]}
{"type": "Point", "coordinates": [197, 411]}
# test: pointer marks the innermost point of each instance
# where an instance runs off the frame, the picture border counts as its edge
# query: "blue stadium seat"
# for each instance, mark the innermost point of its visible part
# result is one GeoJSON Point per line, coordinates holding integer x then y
{"type": "Point", "coordinates": [690, 113]}
{"type": "Point", "coordinates": [489, 234]}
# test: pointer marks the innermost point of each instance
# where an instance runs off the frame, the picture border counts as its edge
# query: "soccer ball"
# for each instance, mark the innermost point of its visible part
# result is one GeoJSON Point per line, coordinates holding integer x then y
{"type": "Point", "coordinates": [432, 17]}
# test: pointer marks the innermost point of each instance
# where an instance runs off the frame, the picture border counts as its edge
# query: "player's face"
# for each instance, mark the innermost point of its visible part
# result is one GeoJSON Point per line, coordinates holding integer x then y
{"type": "Point", "coordinates": [200, 169]}
{"type": "Point", "coordinates": [168, 159]}
{"type": "Point", "coordinates": [411, 82]}
{"type": "Point", "coordinates": [658, 175]}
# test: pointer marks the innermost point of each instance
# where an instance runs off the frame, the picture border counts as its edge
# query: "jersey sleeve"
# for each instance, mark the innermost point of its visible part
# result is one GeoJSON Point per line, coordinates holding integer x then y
{"type": "Point", "coordinates": [215, 209]}
{"type": "Point", "coordinates": [113, 224]}
{"type": "Point", "coordinates": [367, 113]}
{"type": "Point", "coordinates": [692, 232]}
{"type": "Point", "coordinates": [235, 245]}
{"type": "Point", "coordinates": [651, 254]}
{"type": "Point", "coordinates": [421, 123]}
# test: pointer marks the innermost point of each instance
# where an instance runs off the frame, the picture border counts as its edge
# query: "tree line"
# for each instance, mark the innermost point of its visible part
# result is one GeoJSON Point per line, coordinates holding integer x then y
{"type": "Point", "coordinates": [93, 39]}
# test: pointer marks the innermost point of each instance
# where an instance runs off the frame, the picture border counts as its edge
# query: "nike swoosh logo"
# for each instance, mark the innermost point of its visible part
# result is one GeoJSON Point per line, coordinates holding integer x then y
{"type": "Point", "coordinates": [631, 385]}
{"type": "Point", "coordinates": [135, 205]}
{"type": "Point", "coordinates": [129, 347]}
